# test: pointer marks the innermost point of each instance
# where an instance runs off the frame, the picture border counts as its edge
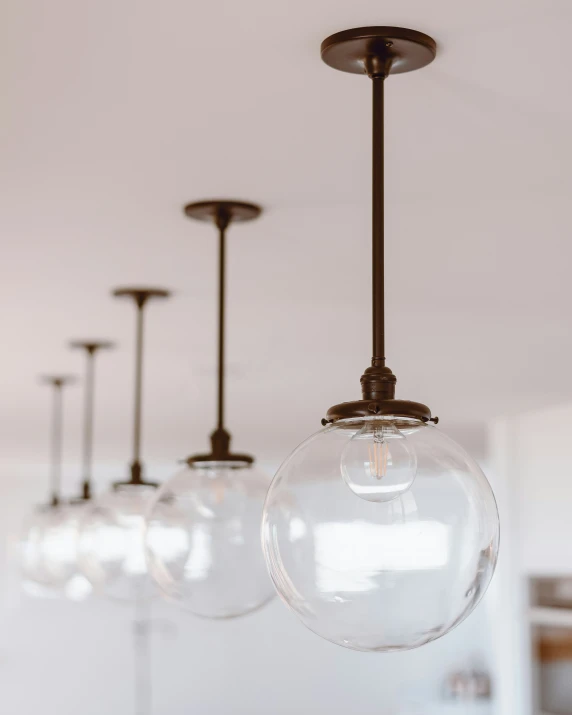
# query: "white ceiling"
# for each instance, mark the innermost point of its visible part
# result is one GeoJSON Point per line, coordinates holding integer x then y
{"type": "Point", "coordinates": [115, 114]}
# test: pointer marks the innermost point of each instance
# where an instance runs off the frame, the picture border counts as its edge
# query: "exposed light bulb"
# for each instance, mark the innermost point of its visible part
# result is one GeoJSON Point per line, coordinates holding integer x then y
{"type": "Point", "coordinates": [378, 464]}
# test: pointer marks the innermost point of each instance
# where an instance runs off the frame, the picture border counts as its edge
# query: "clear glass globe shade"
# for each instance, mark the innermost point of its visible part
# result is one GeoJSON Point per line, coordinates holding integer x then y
{"type": "Point", "coordinates": [110, 545]}
{"type": "Point", "coordinates": [380, 576]}
{"type": "Point", "coordinates": [377, 463]}
{"type": "Point", "coordinates": [203, 539]}
{"type": "Point", "coordinates": [49, 553]}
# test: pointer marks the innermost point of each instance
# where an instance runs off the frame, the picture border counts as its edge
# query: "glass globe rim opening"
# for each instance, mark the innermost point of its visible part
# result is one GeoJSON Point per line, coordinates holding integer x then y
{"type": "Point", "coordinates": [398, 421]}
{"type": "Point", "coordinates": [213, 464]}
{"type": "Point", "coordinates": [123, 488]}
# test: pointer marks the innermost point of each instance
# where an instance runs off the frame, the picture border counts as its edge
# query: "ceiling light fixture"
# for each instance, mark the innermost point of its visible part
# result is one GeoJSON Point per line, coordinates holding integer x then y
{"type": "Point", "coordinates": [111, 536]}
{"type": "Point", "coordinates": [203, 530]}
{"type": "Point", "coordinates": [40, 543]}
{"type": "Point", "coordinates": [379, 531]}
{"type": "Point", "coordinates": [66, 575]}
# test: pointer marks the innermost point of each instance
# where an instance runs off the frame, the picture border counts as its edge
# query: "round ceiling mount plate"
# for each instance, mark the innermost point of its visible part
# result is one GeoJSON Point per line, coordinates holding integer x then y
{"type": "Point", "coordinates": [141, 293]}
{"type": "Point", "coordinates": [208, 210]}
{"type": "Point", "coordinates": [58, 380]}
{"type": "Point", "coordinates": [92, 345]}
{"type": "Point", "coordinates": [348, 50]}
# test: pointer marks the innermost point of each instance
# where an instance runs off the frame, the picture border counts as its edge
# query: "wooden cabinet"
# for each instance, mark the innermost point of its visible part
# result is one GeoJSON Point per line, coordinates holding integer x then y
{"type": "Point", "coordinates": [550, 622]}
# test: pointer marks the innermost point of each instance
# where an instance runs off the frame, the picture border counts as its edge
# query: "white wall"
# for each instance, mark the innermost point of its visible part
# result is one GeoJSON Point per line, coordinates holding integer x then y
{"type": "Point", "coordinates": [531, 454]}
{"type": "Point", "coordinates": [507, 594]}
{"type": "Point", "coordinates": [60, 658]}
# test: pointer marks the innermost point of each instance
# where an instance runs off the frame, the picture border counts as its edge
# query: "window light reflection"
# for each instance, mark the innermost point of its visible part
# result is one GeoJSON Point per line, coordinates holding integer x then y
{"type": "Point", "coordinates": [418, 546]}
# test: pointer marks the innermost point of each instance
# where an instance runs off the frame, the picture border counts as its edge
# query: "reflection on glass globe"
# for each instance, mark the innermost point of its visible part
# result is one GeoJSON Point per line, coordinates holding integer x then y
{"type": "Point", "coordinates": [203, 539]}
{"type": "Point", "coordinates": [377, 462]}
{"type": "Point", "coordinates": [111, 551]}
{"type": "Point", "coordinates": [380, 576]}
{"type": "Point", "coordinates": [49, 553]}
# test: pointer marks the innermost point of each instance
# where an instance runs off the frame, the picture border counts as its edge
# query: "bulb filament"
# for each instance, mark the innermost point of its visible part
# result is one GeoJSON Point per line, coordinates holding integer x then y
{"type": "Point", "coordinates": [378, 456]}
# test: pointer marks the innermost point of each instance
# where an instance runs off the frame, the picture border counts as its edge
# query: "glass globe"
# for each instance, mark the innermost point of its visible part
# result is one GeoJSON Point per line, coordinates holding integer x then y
{"type": "Point", "coordinates": [49, 553]}
{"type": "Point", "coordinates": [110, 545]}
{"type": "Point", "coordinates": [381, 575]}
{"type": "Point", "coordinates": [203, 539]}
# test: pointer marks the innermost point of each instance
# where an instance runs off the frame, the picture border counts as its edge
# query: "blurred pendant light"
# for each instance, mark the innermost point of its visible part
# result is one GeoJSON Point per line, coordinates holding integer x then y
{"type": "Point", "coordinates": [203, 530]}
{"type": "Point", "coordinates": [379, 531]}
{"type": "Point", "coordinates": [41, 539]}
{"type": "Point", "coordinates": [65, 572]}
{"type": "Point", "coordinates": [111, 554]}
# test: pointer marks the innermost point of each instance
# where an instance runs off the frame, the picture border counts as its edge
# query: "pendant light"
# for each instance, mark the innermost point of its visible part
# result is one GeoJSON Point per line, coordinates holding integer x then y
{"type": "Point", "coordinates": [203, 530]}
{"type": "Point", "coordinates": [110, 544]}
{"type": "Point", "coordinates": [40, 543]}
{"type": "Point", "coordinates": [380, 532]}
{"type": "Point", "coordinates": [66, 576]}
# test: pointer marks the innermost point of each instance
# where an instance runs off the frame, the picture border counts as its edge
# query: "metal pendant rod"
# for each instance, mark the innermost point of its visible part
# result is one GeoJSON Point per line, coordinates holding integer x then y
{"type": "Point", "coordinates": [140, 296]}
{"type": "Point", "coordinates": [56, 436]}
{"type": "Point", "coordinates": [222, 222]}
{"type": "Point", "coordinates": [138, 401]}
{"type": "Point", "coordinates": [88, 423]}
{"type": "Point", "coordinates": [90, 347]}
{"type": "Point", "coordinates": [57, 440]}
{"type": "Point", "coordinates": [378, 51]}
{"type": "Point", "coordinates": [221, 212]}
{"type": "Point", "coordinates": [378, 258]}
